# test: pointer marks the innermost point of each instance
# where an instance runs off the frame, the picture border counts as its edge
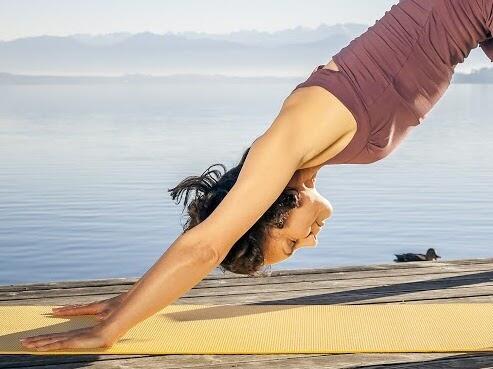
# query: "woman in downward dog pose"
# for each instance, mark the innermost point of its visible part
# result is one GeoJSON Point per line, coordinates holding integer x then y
{"type": "Point", "coordinates": [356, 109]}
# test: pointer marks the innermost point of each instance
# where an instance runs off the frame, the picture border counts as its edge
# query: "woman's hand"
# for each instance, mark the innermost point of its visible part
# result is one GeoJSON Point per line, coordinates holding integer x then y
{"type": "Point", "coordinates": [100, 309]}
{"type": "Point", "coordinates": [185, 263]}
{"type": "Point", "coordinates": [89, 337]}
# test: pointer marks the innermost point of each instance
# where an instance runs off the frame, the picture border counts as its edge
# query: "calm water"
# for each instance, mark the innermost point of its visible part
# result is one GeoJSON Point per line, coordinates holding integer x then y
{"type": "Point", "coordinates": [85, 169]}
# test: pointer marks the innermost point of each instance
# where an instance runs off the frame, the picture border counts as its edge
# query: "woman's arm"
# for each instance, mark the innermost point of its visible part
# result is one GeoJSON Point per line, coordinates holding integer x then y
{"type": "Point", "coordinates": [184, 264]}
{"type": "Point", "coordinates": [271, 163]}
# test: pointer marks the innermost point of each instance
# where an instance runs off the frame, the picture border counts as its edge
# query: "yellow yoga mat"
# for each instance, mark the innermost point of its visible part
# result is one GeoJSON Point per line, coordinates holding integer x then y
{"type": "Point", "coordinates": [273, 329]}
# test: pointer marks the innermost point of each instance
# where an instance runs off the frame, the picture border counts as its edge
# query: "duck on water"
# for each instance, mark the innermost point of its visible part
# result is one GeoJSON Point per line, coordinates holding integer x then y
{"type": "Point", "coordinates": [430, 255]}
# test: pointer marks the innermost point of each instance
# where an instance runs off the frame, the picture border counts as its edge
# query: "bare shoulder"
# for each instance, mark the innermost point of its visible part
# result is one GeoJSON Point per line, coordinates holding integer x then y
{"type": "Point", "coordinates": [318, 100]}
{"type": "Point", "coordinates": [321, 120]}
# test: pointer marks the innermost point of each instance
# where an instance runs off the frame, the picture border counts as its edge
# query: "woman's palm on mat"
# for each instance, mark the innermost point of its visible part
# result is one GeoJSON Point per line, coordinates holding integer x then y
{"type": "Point", "coordinates": [100, 309]}
{"type": "Point", "coordinates": [89, 337]}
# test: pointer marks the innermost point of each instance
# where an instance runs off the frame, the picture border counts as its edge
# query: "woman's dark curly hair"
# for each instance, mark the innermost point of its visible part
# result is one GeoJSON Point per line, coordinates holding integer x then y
{"type": "Point", "coordinates": [246, 255]}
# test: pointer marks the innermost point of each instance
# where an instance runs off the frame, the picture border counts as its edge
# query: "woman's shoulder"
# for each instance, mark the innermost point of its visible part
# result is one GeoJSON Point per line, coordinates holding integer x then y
{"type": "Point", "coordinates": [323, 118]}
{"type": "Point", "coordinates": [320, 101]}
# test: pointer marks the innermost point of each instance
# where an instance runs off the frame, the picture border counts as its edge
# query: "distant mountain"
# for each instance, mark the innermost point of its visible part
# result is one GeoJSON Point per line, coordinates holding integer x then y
{"type": "Point", "coordinates": [250, 37]}
{"type": "Point", "coordinates": [290, 52]}
{"type": "Point", "coordinates": [101, 40]}
{"type": "Point", "coordinates": [20, 79]}
{"type": "Point", "coordinates": [289, 36]}
{"type": "Point", "coordinates": [482, 76]}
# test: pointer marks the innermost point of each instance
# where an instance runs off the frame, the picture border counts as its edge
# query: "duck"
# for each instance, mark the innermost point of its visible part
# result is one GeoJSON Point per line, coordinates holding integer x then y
{"type": "Point", "coordinates": [430, 255]}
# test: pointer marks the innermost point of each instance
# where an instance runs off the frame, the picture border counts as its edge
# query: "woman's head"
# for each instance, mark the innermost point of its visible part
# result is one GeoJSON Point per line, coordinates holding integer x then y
{"type": "Point", "coordinates": [304, 221]}
{"type": "Point", "coordinates": [290, 217]}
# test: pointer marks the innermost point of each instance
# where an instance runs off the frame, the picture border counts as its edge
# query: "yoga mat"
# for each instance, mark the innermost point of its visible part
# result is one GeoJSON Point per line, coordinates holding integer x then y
{"type": "Point", "coordinates": [273, 329]}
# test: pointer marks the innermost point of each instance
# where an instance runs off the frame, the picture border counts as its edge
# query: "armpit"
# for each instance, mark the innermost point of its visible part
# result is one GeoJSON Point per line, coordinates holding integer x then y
{"type": "Point", "coordinates": [487, 46]}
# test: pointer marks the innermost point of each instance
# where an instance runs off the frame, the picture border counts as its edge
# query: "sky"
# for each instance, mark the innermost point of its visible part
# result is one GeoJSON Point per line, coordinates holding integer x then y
{"type": "Point", "coordinates": [24, 18]}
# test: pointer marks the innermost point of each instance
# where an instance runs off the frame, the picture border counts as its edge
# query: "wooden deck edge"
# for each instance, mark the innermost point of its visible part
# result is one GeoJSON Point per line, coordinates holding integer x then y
{"type": "Point", "coordinates": [340, 269]}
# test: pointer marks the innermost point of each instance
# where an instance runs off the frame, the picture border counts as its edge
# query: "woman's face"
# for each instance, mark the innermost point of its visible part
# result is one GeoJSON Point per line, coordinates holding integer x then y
{"type": "Point", "coordinates": [303, 223]}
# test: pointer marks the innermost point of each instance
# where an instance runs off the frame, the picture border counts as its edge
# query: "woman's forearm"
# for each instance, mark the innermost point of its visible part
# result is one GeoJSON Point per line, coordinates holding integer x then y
{"type": "Point", "coordinates": [124, 295]}
{"type": "Point", "coordinates": [180, 268]}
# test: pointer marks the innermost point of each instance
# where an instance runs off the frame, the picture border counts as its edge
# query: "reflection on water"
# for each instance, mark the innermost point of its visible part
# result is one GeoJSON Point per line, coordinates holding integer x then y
{"type": "Point", "coordinates": [85, 169]}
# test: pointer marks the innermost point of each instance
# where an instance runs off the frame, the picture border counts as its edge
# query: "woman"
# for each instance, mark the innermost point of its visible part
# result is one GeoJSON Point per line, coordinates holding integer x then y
{"type": "Point", "coordinates": [355, 109]}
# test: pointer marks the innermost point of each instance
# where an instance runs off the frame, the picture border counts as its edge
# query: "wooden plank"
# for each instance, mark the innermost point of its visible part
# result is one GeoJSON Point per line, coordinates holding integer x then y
{"type": "Point", "coordinates": [334, 285]}
{"type": "Point", "coordinates": [455, 283]}
{"type": "Point", "coordinates": [200, 289]}
{"type": "Point", "coordinates": [384, 293]}
{"type": "Point", "coordinates": [336, 361]}
{"type": "Point", "coordinates": [127, 282]}
{"type": "Point", "coordinates": [411, 267]}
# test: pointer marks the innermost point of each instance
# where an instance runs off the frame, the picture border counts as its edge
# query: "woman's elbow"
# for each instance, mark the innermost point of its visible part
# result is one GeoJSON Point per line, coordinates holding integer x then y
{"type": "Point", "coordinates": [201, 246]}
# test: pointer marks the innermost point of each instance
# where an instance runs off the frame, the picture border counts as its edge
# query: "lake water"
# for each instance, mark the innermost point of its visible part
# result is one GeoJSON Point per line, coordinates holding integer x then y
{"type": "Point", "coordinates": [84, 173]}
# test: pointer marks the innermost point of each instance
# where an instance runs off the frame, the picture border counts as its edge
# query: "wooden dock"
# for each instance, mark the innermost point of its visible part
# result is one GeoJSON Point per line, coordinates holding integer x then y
{"type": "Point", "coordinates": [413, 282]}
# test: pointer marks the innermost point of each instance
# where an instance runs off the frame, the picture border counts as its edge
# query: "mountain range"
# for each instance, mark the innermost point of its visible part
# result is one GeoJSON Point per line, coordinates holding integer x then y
{"type": "Point", "coordinates": [290, 52]}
